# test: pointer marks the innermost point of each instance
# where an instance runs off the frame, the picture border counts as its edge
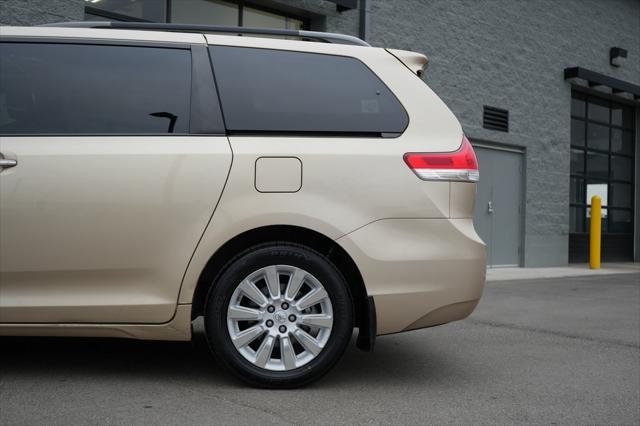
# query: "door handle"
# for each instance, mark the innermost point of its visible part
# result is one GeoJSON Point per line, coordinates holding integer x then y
{"type": "Point", "coordinates": [5, 162]}
{"type": "Point", "coordinates": [489, 207]}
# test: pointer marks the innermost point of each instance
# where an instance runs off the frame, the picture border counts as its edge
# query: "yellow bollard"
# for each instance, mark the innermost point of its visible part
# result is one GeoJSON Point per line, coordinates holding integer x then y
{"type": "Point", "coordinates": [595, 232]}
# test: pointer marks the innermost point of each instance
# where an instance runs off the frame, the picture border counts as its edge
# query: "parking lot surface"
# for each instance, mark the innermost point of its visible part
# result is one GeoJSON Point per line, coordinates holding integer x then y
{"type": "Point", "coordinates": [553, 351]}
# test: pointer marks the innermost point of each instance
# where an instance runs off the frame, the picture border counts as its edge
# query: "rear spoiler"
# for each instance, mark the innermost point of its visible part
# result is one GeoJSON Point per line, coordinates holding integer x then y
{"type": "Point", "coordinates": [416, 62]}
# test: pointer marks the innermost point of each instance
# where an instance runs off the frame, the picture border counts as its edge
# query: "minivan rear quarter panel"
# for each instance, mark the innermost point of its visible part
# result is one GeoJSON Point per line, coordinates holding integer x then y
{"type": "Point", "coordinates": [350, 185]}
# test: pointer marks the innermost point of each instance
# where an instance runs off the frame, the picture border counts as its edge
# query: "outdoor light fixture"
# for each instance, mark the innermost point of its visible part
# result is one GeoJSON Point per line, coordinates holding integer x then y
{"type": "Point", "coordinates": [617, 55]}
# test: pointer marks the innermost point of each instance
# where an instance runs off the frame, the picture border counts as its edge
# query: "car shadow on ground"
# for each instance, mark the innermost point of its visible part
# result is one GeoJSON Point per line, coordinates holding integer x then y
{"type": "Point", "coordinates": [393, 361]}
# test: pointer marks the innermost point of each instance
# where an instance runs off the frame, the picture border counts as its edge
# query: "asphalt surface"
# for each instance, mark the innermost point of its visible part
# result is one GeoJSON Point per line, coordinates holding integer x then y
{"type": "Point", "coordinates": [555, 351]}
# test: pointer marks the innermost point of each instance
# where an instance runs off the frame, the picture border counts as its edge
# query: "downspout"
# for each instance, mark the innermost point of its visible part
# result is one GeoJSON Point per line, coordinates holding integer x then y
{"type": "Point", "coordinates": [364, 19]}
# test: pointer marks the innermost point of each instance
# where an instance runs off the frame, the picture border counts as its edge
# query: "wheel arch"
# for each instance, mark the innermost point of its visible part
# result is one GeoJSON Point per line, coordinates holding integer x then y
{"type": "Point", "coordinates": [293, 234]}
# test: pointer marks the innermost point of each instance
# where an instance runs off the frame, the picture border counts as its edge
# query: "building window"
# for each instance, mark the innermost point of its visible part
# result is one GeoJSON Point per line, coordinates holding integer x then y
{"type": "Point", "coordinates": [252, 17]}
{"type": "Point", "coordinates": [602, 163]}
{"type": "Point", "coordinates": [205, 12]}
{"type": "Point", "coordinates": [126, 10]}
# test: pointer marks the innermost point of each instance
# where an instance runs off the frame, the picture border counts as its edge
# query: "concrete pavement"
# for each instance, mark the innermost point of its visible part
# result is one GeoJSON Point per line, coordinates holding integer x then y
{"type": "Point", "coordinates": [555, 351]}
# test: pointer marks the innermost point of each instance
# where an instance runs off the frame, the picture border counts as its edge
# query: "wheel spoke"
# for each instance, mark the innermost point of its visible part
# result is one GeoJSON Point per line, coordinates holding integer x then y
{"type": "Point", "coordinates": [241, 313]}
{"type": "Point", "coordinates": [263, 354]}
{"type": "Point", "coordinates": [247, 336]}
{"type": "Point", "coordinates": [311, 298]}
{"type": "Point", "coordinates": [294, 284]}
{"type": "Point", "coordinates": [253, 293]}
{"type": "Point", "coordinates": [273, 284]}
{"type": "Point", "coordinates": [286, 351]}
{"type": "Point", "coordinates": [307, 341]}
{"type": "Point", "coordinates": [317, 320]}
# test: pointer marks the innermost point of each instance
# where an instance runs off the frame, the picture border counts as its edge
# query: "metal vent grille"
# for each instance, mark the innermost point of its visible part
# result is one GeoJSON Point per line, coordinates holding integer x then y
{"type": "Point", "coordinates": [495, 119]}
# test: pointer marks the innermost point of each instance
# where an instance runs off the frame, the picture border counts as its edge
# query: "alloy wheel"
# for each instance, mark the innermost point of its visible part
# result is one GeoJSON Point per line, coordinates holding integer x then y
{"type": "Point", "coordinates": [280, 317]}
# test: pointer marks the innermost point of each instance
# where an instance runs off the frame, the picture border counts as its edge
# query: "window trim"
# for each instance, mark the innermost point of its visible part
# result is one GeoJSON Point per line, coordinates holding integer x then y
{"type": "Point", "coordinates": [313, 134]}
{"type": "Point", "coordinates": [602, 123]}
{"type": "Point", "coordinates": [198, 84]}
{"type": "Point", "coordinates": [97, 42]}
{"type": "Point", "coordinates": [205, 106]}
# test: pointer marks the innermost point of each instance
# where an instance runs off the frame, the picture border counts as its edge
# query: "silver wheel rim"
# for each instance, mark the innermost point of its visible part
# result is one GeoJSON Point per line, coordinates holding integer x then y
{"type": "Point", "coordinates": [280, 317]}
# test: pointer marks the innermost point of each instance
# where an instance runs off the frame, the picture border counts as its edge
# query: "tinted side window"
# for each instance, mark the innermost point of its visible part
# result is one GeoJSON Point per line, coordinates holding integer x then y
{"type": "Point", "coordinates": [88, 89]}
{"type": "Point", "coordinates": [282, 91]}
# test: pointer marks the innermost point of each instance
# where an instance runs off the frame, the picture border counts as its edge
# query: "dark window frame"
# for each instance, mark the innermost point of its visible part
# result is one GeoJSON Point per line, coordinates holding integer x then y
{"type": "Point", "coordinates": [199, 85]}
{"type": "Point", "coordinates": [585, 150]}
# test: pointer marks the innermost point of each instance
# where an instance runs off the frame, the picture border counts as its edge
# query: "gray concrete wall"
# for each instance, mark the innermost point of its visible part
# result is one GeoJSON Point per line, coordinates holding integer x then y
{"type": "Point", "coordinates": [36, 12]}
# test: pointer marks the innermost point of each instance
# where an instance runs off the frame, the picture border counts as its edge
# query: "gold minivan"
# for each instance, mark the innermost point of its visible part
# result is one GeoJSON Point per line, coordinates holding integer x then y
{"type": "Point", "coordinates": [287, 190]}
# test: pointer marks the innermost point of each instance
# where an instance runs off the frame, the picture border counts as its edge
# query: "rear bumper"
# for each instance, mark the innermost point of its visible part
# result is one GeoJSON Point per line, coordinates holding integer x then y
{"type": "Point", "coordinates": [420, 272]}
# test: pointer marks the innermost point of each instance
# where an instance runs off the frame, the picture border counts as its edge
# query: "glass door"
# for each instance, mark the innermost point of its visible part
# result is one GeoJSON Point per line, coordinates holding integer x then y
{"type": "Point", "coordinates": [602, 163]}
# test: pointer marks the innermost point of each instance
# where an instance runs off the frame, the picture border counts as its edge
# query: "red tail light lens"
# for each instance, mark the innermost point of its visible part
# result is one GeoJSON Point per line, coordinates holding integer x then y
{"type": "Point", "coordinates": [458, 166]}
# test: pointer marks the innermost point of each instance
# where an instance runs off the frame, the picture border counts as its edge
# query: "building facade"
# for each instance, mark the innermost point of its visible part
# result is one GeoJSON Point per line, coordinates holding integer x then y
{"type": "Point", "coordinates": [547, 91]}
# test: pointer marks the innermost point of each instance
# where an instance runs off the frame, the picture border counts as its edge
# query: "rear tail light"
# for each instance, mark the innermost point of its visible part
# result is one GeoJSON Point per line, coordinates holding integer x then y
{"type": "Point", "coordinates": [458, 166]}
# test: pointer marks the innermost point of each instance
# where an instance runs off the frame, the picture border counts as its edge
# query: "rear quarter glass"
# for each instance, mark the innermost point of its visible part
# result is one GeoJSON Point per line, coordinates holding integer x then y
{"type": "Point", "coordinates": [285, 91]}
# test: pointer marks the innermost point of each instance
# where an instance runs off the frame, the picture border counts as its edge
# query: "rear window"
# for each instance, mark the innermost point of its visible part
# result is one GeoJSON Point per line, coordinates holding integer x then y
{"type": "Point", "coordinates": [264, 90]}
{"type": "Point", "coordinates": [48, 88]}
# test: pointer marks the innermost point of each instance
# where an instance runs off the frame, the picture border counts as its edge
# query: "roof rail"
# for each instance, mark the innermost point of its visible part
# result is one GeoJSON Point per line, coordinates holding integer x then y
{"type": "Point", "coordinates": [192, 28]}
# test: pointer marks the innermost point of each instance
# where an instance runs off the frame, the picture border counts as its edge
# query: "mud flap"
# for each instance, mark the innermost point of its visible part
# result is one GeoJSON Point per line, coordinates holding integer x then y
{"type": "Point", "coordinates": [367, 330]}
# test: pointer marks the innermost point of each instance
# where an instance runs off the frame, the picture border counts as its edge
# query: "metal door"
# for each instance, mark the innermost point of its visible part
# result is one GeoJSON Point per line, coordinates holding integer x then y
{"type": "Point", "coordinates": [498, 213]}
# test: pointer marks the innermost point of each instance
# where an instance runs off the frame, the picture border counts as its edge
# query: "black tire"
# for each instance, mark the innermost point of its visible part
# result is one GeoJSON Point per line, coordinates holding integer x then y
{"type": "Point", "coordinates": [238, 269]}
